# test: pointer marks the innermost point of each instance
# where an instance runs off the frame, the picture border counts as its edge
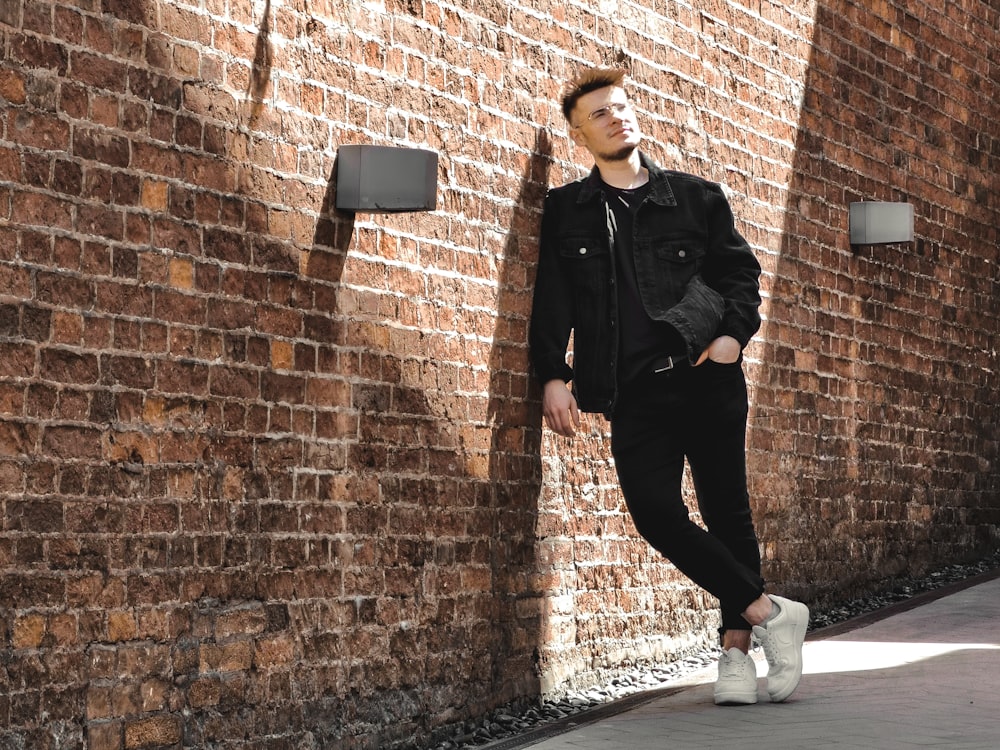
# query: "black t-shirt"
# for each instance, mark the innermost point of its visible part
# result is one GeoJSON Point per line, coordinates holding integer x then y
{"type": "Point", "coordinates": [642, 341]}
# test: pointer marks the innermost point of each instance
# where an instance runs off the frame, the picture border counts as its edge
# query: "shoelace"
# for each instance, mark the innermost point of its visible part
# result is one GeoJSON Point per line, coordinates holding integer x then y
{"type": "Point", "coordinates": [772, 656]}
{"type": "Point", "coordinates": [733, 667]}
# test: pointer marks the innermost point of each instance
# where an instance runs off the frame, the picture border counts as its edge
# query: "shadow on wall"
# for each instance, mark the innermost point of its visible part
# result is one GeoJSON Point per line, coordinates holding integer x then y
{"type": "Point", "coordinates": [422, 516]}
{"type": "Point", "coordinates": [332, 238]}
{"type": "Point", "coordinates": [515, 467]}
{"type": "Point", "coordinates": [263, 59]}
{"type": "Point", "coordinates": [851, 485]}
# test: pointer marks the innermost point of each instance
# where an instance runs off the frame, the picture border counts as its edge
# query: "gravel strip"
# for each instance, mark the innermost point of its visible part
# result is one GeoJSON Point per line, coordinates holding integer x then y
{"type": "Point", "coordinates": [509, 721]}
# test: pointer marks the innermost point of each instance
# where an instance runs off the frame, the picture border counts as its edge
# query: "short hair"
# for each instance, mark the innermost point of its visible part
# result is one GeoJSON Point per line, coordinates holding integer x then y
{"type": "Point", "coordinates": [589, 80]}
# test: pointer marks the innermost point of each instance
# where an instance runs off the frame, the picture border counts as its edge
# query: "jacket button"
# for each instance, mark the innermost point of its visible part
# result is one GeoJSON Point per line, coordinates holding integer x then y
{"type": "Point", "coordinates": [583, 251]}
{"type": "Point", "coordinates": [681, 253]}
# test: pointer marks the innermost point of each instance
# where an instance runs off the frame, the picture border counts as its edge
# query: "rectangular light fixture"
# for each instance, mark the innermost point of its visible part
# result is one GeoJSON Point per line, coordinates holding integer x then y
{"type": "Point", "coordinates": [385, 179]}
{"type": "Point", "coordinates": [880, 222]}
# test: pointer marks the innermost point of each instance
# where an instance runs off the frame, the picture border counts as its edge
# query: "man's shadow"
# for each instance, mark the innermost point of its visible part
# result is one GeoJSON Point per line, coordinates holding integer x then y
{"type": "Point", "coordinates": [515, 468]}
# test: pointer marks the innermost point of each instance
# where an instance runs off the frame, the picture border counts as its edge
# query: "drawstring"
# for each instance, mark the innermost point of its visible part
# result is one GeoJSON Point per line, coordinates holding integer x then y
{"type": "Point", "coordinates": [612, 221]}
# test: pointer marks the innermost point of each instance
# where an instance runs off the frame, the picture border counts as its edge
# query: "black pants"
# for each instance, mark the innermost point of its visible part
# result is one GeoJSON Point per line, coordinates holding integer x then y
{"type": "Point", "coordinates": [697, 413]}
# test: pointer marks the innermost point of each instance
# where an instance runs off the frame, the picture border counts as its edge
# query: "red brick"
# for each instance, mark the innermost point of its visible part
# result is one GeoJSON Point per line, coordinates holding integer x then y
{"type": "Point", "coordinates": [36, 52]}
{"type": "Point", "coordinates": [41, 210]}
{"type": "Point", "coordinates": [71, 442]}
{"type": "Point", "coordinates": [106, 735]}
{"type": "Point", "coordinates": [97, 71]}
{"type": "Point", "coordinates": [101, 146]}
{"type": "Point", "coordinates": [155, 731]}
{"type": "Point", "coordinates": [12, 86]}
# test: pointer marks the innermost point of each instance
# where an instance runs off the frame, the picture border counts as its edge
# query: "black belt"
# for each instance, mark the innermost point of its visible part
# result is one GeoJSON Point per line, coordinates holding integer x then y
{"type": "Point", "coordinates": [672, 362]}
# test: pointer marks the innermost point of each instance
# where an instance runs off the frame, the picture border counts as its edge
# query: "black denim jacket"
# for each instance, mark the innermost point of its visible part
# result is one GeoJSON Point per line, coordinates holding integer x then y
{"type": "Point", "coordinates": [694, 269]}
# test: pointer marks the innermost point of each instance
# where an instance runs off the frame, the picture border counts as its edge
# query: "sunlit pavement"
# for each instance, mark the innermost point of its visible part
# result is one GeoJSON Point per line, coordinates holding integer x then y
{"type": "Point", "coordinates": [926, 675]}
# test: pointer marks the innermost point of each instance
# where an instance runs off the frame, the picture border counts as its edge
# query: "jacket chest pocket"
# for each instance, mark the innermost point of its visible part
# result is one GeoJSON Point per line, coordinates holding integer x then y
{"type": "Point", "coordinates": [587, 261]}
{"type": "Point", "coordinates": [666, 266]}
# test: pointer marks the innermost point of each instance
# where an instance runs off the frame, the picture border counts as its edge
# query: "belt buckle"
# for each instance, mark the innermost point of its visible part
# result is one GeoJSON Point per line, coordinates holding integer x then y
{"type": "Point", "coordinates": [668, 366]}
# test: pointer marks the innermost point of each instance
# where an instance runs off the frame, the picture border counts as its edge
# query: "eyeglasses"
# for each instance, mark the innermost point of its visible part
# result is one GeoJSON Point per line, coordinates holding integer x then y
{"type": "Point", "coordinates": [603, 115]}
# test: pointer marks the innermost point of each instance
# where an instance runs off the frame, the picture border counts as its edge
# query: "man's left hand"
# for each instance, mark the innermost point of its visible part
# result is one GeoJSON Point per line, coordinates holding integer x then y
{"type": "Point", "coordinates": [725, 350]}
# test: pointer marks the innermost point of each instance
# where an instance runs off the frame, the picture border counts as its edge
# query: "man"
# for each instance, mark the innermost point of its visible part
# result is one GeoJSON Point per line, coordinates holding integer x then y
{"type": "Point", "coordinates": [645, 267]}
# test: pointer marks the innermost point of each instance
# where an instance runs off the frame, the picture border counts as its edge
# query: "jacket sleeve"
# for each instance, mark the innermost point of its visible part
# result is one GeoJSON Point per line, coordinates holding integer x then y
{"type": "Point", "coordinates": [731, 269]}
{"type": "Point", "coordinates": [552, 307]}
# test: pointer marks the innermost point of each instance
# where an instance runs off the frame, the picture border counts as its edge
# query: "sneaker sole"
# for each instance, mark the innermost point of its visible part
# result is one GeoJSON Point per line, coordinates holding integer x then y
{"type": "Point", "coordinates": [735, 699]}
{"type": "Point", "coordinates": [801, 623]}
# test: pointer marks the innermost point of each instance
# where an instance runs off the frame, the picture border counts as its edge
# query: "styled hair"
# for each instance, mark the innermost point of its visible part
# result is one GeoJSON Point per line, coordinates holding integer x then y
{"type": "Point", "coordinates": [586, 81]}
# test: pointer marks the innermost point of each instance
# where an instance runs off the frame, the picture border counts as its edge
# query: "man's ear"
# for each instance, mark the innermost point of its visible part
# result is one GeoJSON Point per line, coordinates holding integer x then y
{"type": "Point", "coordinates": [577, 136]}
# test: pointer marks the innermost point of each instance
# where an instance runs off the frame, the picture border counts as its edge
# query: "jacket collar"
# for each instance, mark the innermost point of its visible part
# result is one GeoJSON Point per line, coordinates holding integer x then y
{"type": "Point", "coordinates": [659, 186]}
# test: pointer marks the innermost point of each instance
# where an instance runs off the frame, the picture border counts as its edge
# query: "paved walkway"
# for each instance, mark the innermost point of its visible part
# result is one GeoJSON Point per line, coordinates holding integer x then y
{"type": "Point", "coordinates": [922, 675]}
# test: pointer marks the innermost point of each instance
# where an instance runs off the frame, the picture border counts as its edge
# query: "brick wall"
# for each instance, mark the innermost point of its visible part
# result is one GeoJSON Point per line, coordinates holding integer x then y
{"type": "Point", "coordinates": [874, 431]}
{"type": "Point", "coordinates": [272, 474]}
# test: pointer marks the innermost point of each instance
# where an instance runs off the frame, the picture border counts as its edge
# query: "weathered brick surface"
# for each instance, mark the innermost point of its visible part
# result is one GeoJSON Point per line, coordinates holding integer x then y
{"type": "Point", "coordinates": [270, 474]}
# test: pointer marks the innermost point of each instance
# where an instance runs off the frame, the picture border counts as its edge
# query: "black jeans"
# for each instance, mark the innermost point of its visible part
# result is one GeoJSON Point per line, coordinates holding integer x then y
{"type": "Point", "coordinates": [698, 413]}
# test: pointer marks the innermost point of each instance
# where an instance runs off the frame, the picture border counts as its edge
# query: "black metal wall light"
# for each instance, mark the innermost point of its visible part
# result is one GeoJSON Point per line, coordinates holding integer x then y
{"type": "Point", "coordinates": [386, 179]}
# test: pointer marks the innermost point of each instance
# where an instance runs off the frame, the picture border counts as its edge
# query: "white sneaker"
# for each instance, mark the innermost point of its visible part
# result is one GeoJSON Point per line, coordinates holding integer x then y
{"type": "Point", "coordinates": [782, 640]}
{"type": "Point", "coordinates": [737, 681]}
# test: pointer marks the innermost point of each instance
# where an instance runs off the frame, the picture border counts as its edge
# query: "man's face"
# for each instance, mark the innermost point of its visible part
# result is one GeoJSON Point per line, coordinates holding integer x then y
{"type": "Point", "coordinates": [603, 122]}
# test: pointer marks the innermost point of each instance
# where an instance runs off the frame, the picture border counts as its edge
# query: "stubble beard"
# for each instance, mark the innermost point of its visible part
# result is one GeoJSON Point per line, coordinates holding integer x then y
{"type": "Point", "coordinates": [622, 154]}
